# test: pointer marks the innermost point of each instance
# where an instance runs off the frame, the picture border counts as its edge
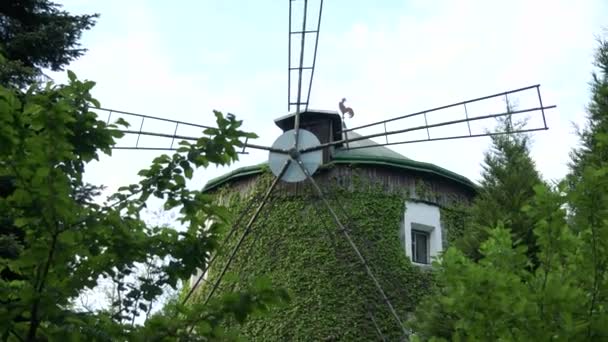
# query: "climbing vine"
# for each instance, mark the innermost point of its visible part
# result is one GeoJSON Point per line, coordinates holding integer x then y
{"type": "Point", "coordinates": [454, 219]}
{"type": "Point", "coordinates": [295, 245]}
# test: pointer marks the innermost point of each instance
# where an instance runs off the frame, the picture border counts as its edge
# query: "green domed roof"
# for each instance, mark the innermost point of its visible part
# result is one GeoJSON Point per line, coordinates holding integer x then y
{"type": "Point", "coordinates": [372, 154]}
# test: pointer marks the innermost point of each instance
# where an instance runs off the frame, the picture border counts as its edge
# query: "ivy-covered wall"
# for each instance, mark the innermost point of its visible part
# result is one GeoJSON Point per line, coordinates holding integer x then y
{"type": "Point", "coordinates": [296, 245]}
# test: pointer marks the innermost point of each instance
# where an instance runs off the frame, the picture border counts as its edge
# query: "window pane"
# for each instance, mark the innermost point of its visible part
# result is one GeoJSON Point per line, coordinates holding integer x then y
{"type": "Point", "coordinates": [420, 253]}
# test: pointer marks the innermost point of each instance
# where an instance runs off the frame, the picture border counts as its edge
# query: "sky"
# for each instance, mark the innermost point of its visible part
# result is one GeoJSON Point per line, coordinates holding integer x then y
{"type": "Point", "coordinates": [388, 58]}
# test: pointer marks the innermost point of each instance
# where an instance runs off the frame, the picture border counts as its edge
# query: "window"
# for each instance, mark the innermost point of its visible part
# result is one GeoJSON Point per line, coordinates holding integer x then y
{"type": "Point", "coordinates": [420, 247]}
{"type": "Point", "coordinates": [421, 232]}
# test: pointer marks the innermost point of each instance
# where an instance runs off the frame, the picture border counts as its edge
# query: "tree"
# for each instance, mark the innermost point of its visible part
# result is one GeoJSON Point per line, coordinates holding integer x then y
{"type": "Point", "coordinates": [592, 151]}
{"type": "Point", "coordinates": [565, 296]}
{"type": "Point", "coordinates": [500, 297]}
{"type": "Point", "coordinates": [37, 34]}
{"type": "Point", "coordinates": [589, 205]}
{"type": "Point", "coordinates": [57, 242]}
{"type": "Point", "coordinates": [508, 179]}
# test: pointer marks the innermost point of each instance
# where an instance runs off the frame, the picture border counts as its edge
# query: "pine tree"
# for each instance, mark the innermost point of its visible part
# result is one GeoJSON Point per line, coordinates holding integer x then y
{"type": "Point", "coordinates": [589, 182]}
{"type": "Point", "coordinates": [593, 151]}
{"type": "Point", "coordinates": [565, 296]}
{"type": "Point", "coordinates": [508, 179]}
{"type": "Point", "coordinates": [37, 34]}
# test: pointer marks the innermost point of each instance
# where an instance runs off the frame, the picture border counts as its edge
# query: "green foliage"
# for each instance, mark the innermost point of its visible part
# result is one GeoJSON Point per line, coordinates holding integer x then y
{"type": "Point", "coordinates": [56, 241]}
{"type": "Point", "coordinates": [455, 220]}
{"type": "Point", "coordinates": [565, 296]}
{"type": "Point", "coordinates": [37, 34]}
{"type": "Point", "coordinates": [589, 191]}
{"type": "Point", "coordinates": [499, 297]}
{"type": "Point", "coordinates": [593, 150]}
{"type": "Point", "coordinates": [297, 246]}
{"type": "Point", "coordinates": [508, 179]}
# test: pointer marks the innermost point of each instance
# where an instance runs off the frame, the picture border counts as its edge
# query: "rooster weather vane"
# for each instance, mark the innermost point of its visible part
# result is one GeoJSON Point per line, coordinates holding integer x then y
{"type": "Point", "coordinates": [297, 153]}
{"type": "Point", "coordinates": [345, 110]}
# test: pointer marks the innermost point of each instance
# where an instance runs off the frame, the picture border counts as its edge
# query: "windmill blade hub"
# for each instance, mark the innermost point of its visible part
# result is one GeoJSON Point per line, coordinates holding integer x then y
{"type": "Point", "coordinates": [311, 160]}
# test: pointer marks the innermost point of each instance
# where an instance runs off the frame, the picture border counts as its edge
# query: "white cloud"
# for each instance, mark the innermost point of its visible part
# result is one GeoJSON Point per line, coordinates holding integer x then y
{"type": "Point", "coordinates": [388, 63]}
{"type": "Point", "coordinates": [462, 50]}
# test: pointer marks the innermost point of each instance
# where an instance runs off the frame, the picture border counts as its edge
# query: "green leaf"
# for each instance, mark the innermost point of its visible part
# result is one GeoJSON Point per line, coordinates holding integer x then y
{"type": "Point", "coordinates": [95, 102]}
{"type": "Point", "coordinates": [71, 76]}
{"type": "Point", "coordinates": [122, 122]}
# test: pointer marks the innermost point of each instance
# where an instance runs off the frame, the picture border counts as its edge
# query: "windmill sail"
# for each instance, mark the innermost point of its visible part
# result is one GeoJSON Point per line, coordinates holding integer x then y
{"type": "Point", "coordinates": [155, 133]}
{"type": "Point", "coordinates": [466, 119]}
{"type": "Point", "coordinates": [147, 132]}
{"type": "Point", "coordinates": [302, 53]}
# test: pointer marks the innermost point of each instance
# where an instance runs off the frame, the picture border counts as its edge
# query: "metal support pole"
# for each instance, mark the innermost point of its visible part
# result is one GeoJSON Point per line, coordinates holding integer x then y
{"type": "Point", "coordinates": [140, 128]}
{"type": "Point", "coordinates": [540, 101]}
{"type": "Point", "coordinates": [426, 123]}
{"type": "Point", "coordinates": [466, 114]}
{"type": "Point", "coordinates": [289, 62]}
{"type": "Point", "coordinates": [246, 232]}
{"type": "Point", "coordinates": [296, 124]}
{"type": "Point", "coordinates": [314, 58]}
{"type": "Point", "coordinates": [385, 131]}
{"type": "Point", "coordinates": [174, 133]}
{"type": "Point", "coordinates": [353, 246]}
{"type": "Point", "coordinates": [214, 257]}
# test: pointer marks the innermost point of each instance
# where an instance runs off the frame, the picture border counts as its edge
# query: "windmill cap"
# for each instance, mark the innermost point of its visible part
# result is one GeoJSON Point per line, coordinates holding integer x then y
{"type": "Point", "coordinates": [287, 122]}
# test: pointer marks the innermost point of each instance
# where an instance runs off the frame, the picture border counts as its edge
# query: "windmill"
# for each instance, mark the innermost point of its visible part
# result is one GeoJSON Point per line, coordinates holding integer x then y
{"type": "Point", "coordinates": [313, 142]}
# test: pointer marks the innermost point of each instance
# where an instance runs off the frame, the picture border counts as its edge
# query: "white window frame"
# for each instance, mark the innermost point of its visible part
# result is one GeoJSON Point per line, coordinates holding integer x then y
{"type": "Point", "coordinates": [423, 217]}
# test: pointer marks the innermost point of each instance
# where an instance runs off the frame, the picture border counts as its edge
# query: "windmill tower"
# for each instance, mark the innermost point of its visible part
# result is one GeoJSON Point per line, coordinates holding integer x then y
{"type": "Point", "coordinates": [347, 225]}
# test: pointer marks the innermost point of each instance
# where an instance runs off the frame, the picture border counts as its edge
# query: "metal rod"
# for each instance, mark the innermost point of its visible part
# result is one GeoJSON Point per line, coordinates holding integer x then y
{"type": "Point", "coordinates": [245, 145]}
{"type": "Point", "coordinates": [353, 245]}
{"type": "Point", "coordinates": [225, 241]}
{"type": "Point", "coordinates": [151, 117]}
{"type": "Point", "coordinates": [144, 148]}
{"type": "Point", "coordinates": [345, 132]}
{"type": "Point", "coordinates": [139, 134]}
{"type": "Point", "coordinates": [109, 116]}
{"type": "Point", "coordinates": [426, 123]}
{"type": "Point", "coordinates": [314, 58]}
{"type": "Point", "coordinates": [447, 106]}
{"type": "Point", "coordinates": [164, 135]}
{"type": "Point", "coordinates": [300, 32]}
{"type": "Point", "coordinates": [266, 148]}
{"type": "Point", "coordinates": [385, 131]}
{"type": "Point", "coordinates": [296, 125]}
{"type": "Point", "coordinates": [540, 101]}
{"type": "Point", "coordinates": [466, 114]}
{"type": "Point", "coordinates": [378, 331]}
{"type": "Point", "coordinates": [322, 146]}
{"type": "Point", "coordinates": [289, 62]}
{"type": "Point", "coordinates": [246, 231]}
{"type": "Point", "coordinates": [303, 68]}
{"type": "Point", "coordinates": [174, 133]}
{"type": "Point", "coordinates": [453, 137]}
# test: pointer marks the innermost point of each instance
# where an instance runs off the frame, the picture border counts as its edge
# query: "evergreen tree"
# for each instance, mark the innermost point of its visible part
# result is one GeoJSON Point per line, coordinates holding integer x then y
{"type": "Point", "coordinates": [589, 182]}
{"type": "Point", "coordinates": [37, 34]}
{"type": "Point", "coordinates": [592, 150]}
{"type": "Point", "coordinates": [565, 296]}
{"type": "Point", "coordinates": [508, 179]}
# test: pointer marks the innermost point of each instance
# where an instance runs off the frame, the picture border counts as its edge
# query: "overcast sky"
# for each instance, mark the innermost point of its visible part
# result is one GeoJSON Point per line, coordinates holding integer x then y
{"type": "Point", "coordinates": [182, 59]}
